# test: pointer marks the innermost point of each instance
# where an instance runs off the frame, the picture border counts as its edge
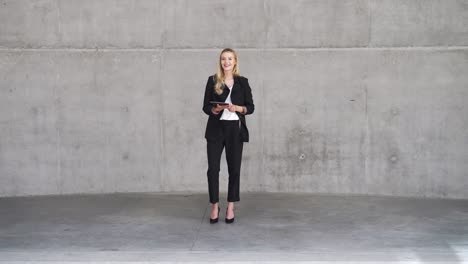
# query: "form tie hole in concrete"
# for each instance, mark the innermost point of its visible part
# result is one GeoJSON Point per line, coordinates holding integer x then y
{"type": "Point", "coordinates": [302, 156]}
{"type": "Point", "coordinates": [34, 110]}
{"type": "Point", "coordinates": [394, 158]}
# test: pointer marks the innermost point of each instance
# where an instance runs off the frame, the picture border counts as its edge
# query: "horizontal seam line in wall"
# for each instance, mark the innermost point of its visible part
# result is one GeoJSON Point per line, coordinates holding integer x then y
{"type": "Point", "coordinates": [246, 49]}
{"type": "Point", "coordinates": [185, 193]}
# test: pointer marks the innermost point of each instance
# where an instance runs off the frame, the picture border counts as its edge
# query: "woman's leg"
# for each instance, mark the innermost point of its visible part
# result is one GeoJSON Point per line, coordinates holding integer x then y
{"type": "Point", "coordinates": [234, 146]}
{"type": "Point", "coordinates": [214, 150]}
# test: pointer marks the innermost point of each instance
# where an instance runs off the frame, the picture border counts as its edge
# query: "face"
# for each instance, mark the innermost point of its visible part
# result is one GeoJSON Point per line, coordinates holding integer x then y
{"type": "Point", "coordinates": [228, 61]}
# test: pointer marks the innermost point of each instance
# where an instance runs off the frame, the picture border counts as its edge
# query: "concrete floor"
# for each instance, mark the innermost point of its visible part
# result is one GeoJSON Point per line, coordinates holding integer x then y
{"type": "Point", "coordinates": [269, 228]}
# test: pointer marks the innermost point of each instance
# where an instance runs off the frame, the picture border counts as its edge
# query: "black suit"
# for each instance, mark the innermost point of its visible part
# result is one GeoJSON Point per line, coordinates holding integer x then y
{"type": "Point", "coordinates": [241, 95]}
{"type": "Point", "coordinates": [226, 133]}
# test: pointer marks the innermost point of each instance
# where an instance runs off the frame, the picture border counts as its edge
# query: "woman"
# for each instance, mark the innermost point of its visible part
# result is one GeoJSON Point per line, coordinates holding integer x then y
{"type": "Point", "coordinates": [226, 128]}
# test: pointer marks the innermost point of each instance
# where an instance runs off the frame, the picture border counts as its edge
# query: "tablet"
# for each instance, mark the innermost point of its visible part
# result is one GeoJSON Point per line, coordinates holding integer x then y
{"type": "Point", "coordinates": [219, 103]}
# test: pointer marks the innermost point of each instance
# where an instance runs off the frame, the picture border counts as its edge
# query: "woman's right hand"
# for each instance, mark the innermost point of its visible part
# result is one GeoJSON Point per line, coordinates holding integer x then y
{"type": "Point", "coordinates": [219, 108]}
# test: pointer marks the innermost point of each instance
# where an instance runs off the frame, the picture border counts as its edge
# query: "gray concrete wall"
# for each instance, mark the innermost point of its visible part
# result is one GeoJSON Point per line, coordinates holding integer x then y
{"type": "Point", "coordinates": [352, 96]}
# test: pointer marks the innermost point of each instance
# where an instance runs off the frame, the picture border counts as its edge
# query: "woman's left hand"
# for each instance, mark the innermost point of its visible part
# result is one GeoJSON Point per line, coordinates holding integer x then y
{"type": "Point", "coordinates": [233, 108]}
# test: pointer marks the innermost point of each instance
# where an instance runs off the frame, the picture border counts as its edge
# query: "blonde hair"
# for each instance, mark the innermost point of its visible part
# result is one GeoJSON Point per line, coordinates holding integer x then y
{"type": "Point", "coordinates": [220, 78]}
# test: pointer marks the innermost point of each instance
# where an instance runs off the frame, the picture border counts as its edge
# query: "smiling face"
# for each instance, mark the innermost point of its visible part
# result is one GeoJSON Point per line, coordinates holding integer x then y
{"type": "Point", "coordinates": [227, 61]}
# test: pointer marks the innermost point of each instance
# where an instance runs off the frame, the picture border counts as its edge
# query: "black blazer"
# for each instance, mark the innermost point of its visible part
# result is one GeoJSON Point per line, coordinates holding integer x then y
{"type": "Point", "coordinates": [241, 95]}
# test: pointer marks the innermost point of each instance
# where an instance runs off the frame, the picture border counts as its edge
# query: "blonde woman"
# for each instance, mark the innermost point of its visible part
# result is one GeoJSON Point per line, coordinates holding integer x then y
{"type": "Point", "coordinates": [228, 99]}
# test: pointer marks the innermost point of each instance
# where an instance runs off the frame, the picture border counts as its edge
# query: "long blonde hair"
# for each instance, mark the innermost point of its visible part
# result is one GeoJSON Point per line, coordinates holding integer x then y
{"type": "Point", "coordinates": [220, 72]}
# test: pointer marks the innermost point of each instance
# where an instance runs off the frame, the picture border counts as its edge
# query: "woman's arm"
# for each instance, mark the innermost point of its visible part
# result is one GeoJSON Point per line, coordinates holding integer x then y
{"type": "Point", "coordinates": [249, 104]}
{"type": "Point", "coordinates": [207, 106]}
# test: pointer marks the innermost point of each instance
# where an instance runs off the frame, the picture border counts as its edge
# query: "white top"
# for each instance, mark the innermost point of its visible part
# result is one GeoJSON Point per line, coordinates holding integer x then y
{"type": "Point", "coordinates": [228, 115]}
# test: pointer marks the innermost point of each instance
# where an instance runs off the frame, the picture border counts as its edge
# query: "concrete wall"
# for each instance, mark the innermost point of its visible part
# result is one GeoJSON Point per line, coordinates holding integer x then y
{"type": "Point", "coordinates": [352, 96]}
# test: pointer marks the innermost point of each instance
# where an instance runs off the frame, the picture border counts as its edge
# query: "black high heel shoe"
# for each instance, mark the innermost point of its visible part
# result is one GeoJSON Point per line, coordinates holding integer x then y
{"type": "Point", "coordinates": [214, 221]}
{"type": "Point", "coordinates": [229, 221]}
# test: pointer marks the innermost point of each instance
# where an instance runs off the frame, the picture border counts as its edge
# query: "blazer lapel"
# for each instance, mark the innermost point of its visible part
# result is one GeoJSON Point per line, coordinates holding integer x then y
{"type": "Point", "coordinates": [236, 88]}
{"type": "Point", "coordinates": [222, 97]}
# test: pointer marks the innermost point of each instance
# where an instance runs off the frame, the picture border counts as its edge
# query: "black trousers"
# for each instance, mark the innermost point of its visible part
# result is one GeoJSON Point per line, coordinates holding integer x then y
{"type": "Point", "coordinates": [234, 145]}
